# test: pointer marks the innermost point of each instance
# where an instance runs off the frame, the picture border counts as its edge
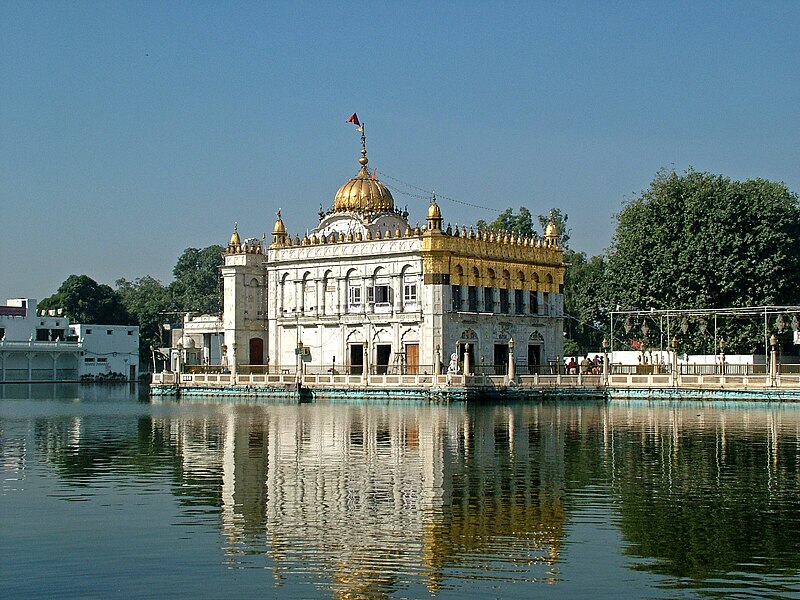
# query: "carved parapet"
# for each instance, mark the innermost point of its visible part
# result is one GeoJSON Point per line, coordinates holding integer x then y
{"type": "Point", "coordinates": [502, 261]}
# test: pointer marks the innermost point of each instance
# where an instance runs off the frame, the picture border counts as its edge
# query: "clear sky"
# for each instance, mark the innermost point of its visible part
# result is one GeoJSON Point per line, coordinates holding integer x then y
{"type": "Point", "coordinates": [130, 131]}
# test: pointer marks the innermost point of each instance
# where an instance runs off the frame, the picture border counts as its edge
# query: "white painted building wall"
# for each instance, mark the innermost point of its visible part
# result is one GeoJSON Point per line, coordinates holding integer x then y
{"type": "Point", "coordinates": [37, 346]}
{"type": "Point", "coordinates": [108, 349]}
{"type": "Point", "coordinates": [326, 297]}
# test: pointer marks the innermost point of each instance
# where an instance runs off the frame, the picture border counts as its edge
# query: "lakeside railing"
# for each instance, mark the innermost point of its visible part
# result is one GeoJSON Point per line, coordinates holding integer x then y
{"type": "Point", "coordinates": [323, 376]}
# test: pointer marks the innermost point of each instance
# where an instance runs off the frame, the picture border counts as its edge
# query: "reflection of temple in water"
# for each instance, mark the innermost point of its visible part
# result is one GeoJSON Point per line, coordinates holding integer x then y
{"type": "Point", "coordinates": [365, 498]}
{"type": "Point", "coordinates": [363, 494]}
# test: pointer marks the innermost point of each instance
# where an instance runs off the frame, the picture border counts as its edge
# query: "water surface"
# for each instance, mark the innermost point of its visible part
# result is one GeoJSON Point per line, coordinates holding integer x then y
{"type": "Point", "coordinates": [106, 494]}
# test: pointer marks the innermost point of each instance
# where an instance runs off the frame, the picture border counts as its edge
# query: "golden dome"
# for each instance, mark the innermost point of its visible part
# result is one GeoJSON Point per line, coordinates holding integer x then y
{"type": "Point", "coordinates": [433, 209]}
{"type": "Point", "coordinates": [434, 221]}
{"type": "Point", "coordinates": [235, 241]}
{"type": "Point", "coordinates": [363, 194]}
{"type": "Point", "coordinates": [279, 228]}
{"type": "Point", "coordinates": [551, 232]}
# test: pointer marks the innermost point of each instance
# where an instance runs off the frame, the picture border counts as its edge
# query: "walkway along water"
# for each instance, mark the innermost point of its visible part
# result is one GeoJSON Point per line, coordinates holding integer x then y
{"type": "Point", "coordinates": [672, 385]}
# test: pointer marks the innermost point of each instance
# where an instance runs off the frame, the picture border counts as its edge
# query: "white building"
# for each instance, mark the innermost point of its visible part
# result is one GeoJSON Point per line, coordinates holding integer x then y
{"type": "Point", "coordinates": [366, 289]}
{"type": "Point", "coordinates": [108, 349]}
{"type": "Point", "coordinates": [44, 346]}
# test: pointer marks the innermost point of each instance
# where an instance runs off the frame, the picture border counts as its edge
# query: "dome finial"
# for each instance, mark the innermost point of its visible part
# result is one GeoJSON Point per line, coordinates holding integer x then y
{"type": "Point", "coordinates": [363, 160]}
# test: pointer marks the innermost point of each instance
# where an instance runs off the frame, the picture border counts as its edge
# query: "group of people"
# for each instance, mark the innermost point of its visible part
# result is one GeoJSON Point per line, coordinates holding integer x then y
{"type": "Point", "coordinates": [588, 366]}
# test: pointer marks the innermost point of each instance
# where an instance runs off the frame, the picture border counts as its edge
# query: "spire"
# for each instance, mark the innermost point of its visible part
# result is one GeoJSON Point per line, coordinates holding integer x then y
{"type": "Point", "coordinates": [279, 230]}
{"type": "Point", "coordinates": [235, 240]}
{"type": "Point", "coordinates": [551, 232]}
{"type": "Point", "coordinates": [434, 215]}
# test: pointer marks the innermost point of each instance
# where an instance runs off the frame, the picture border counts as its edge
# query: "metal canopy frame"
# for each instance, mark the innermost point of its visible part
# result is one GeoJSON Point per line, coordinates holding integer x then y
{"type": "Point", "coordinates": [709, 313]}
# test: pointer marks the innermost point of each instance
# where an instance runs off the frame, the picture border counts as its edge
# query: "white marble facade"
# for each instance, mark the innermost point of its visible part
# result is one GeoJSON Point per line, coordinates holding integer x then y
{"type": "Point", "coordinates": [366, 289]}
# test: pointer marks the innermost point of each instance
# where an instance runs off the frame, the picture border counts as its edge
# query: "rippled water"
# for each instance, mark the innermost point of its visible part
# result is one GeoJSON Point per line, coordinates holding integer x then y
{"type": "Point", "coordinates": [106, 494]}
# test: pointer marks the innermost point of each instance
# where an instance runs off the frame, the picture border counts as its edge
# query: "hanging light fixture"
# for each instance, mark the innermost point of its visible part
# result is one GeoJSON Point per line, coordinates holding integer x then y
{"type": "Point", "coordinates": [685, 325]}
{"type": "Point", "coordinates": [780, 323]}
{"type": "Point", "coordinates": [628, 325]}
{"type": "Point", "coordinates": [703, 326]}
{"type": "Point", "coordinates": [645, 328]}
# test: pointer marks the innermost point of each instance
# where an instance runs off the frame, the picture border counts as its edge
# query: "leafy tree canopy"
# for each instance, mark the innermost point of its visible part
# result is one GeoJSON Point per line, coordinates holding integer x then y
{"type": "Point", "coordinates": [508, 221]}
{"type": "Point", "coordinates": [703, 241]}
{"type": "Point", "coordinates": [86, 301]}
{"type": "Point", "coordinates": [523, 223]}
{"type": "Point", "coordinates": [146, 299]}
{"type": "Point", "coordinates": [196, 284]}
{"type": "Point", "coordinates": [584, 302]}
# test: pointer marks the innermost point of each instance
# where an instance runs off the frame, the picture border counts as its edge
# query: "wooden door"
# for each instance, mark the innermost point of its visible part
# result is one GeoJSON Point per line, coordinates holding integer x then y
{"type": "Point", "coordinates": [412, 359]}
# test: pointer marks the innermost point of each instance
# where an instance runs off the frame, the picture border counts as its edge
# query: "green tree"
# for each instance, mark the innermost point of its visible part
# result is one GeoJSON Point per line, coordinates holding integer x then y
{"type": "Point", "coordinates": [196, 287]}
{"type": "Point", "coordinates": [508, 221]}
{"type": "Point", "coordinates": [703, 241]}
{"type": "Point", "coordinates": [86, 301]}
{"type": "Point", "coordinates": [146, 299]}
{"type": "Point", "coordinates": [584, 302]}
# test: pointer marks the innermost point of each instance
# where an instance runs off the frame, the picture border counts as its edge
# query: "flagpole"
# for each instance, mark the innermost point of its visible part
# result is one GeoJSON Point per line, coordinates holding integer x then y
{"type": "Point", "coordinates": [363, 160]}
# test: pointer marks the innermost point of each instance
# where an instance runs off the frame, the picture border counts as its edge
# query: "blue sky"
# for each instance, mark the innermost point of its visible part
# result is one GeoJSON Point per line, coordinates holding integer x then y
{"type": "Point", "coordinates": [130, 131]}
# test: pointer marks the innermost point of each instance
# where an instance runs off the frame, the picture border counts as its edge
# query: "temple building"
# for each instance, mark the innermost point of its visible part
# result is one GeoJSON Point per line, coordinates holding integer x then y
{"type": "Point", "coordinates": [367, 290]}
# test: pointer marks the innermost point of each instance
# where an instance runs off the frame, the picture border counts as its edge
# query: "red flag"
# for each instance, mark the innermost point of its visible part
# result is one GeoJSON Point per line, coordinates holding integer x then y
{"type": "Point", "coordinates": [635, 344]}
{"type": "Point", "coordinates": [354, 120]}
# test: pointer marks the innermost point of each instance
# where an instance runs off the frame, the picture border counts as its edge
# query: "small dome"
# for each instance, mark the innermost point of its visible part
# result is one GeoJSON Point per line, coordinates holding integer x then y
{"type": "Point", "coordinates": [434, 221]}
{"type": "Point", "coordinates": [235, 241]}
{"type": "Point", "coordinates": [279, 228]}
{"type": "Point", "coordinates": [551, 232]}
{"type": "Point", "coordinates": [187, 343]}
{"type": "Point", "coordinates": [433, 210]}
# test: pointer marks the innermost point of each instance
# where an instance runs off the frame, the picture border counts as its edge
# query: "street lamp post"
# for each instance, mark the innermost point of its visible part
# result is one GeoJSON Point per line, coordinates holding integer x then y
{"type": "Point", "coordinates": [605, 361]}
{"type": "Point", "coordinates": [511, 370]}
{"type": "Point", "coordinates": [675, 374]}
{"type": "Point", "coordinates": [773, 363]}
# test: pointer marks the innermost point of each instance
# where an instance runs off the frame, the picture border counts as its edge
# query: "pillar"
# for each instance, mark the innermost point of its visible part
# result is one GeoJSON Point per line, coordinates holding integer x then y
{"type": "Point", "coordinates": [365, 375]}
{"type": "Point", "coordinates": [511, 367]}
{"type": "Point", "coordinates": [773, 363]}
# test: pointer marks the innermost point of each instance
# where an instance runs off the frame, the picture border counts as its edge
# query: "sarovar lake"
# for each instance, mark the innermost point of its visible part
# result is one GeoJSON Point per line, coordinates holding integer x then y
{"type": "Point", "coordinates": [105, 493]}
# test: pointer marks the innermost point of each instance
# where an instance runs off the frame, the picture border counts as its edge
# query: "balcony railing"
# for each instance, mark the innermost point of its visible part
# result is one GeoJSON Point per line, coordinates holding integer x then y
{"type": "Point", "coordinates": [38, 345]}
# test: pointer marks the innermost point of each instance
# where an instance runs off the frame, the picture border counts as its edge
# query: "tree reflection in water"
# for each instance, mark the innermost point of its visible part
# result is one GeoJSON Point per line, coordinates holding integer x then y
{"type": "Point", "coordinates": [378, 498]}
